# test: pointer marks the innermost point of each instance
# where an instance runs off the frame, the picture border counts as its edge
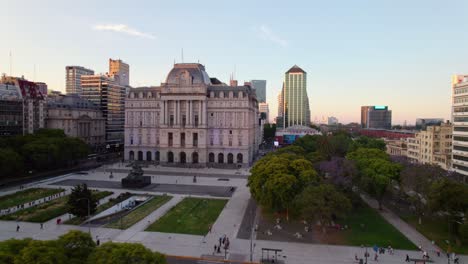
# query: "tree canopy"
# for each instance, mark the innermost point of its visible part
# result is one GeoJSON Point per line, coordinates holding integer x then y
{"type": "Point", "coordinates": [75, 247]}
{"type": "Point", "coordinates": [78, 201]}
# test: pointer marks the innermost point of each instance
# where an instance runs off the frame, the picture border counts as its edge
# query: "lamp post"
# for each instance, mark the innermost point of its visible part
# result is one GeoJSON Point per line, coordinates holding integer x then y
{"type": "Point", "coordinates": [251, 235]}
{"type": "Point", "coordinates": [89, 213]}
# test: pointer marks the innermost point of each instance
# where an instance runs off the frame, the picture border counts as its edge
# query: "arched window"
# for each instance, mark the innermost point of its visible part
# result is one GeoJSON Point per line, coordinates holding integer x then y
{"type": "Point", "coordinates": [131, 155]}
{"type": "Point", "coordinates": [230, 158]}
{"type": "Point", "coordinates": [156, 156]}
{"type": "Point", "coordinates": [194, 157]}
{"type": "Point", "coordinates": [211, 157]}
{"type": "Point", "coordinates": [220, 158]}
{"type": "Point", "coordinates": [240, 158]}
{"type": "Point", "coordinates": [183, 157]}
{"type": "Point", "coordinates": [170, 157]}
{"type": "Point", "coordinates": [148, 155]}
{"type": "Point", "coordinates": [140, 155]}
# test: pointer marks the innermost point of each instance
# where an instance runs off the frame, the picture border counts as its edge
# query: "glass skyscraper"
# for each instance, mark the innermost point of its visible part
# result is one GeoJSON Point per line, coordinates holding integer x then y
{"type": "Point", "coordinates": [260, 90]}
{"type": "Point", "coordinates": [295, 102]}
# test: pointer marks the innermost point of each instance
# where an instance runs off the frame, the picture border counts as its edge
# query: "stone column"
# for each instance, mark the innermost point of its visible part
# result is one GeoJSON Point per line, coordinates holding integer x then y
{"type": "Point", "coordinates": [178, 112]}
{"type": "Point", "coordinates": [186, 112]}
{"type": "Point", "coordinates": [204, 113]}
{"type": "Point", "coordinates": [189, 117]}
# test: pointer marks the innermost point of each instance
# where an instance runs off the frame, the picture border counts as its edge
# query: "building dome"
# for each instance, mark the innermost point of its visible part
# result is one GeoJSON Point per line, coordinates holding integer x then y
{"type": "Point", "coordinates": [188, 74]}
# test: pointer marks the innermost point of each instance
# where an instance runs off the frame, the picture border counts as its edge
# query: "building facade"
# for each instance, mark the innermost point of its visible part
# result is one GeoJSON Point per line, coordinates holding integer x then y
{"type": "Point", "coordinates": [77, 117]}
{"type": "Point", "coordinates": [397, 147]}
{"type": "Point", "coordinates": [295, 102]}
{"type": "Point", "coordinates": [264, 112]}
{"type": "Point", "coordinates": [332, 121]}
{"type": "Point", "coordinates": [105, 92]}
{"type": "Point", "coordinates": [376, 117]}
{"type": "Point", "coordinates": [73, 76]}
{"type": "Point", "coordinates": [431, 146]}
{"type": "Point", "coordinates": [192, 120]}
{"type": "Point", "coordinates": [33, 103]}
{"type": "Point", "coordinates": [460, 124]}
{"type": "Point", "coordinates": [11, 110]}
{"type": "Point", "coordinates": [260, 89]}
{"type": "Point", "coordinates": [120, 70]}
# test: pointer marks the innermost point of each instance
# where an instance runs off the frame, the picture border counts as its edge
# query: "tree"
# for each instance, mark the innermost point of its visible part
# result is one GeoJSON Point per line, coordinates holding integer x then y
{"type": "Point", "coordinates": [451, 198]}
{"type": "Point", "coordinates": [276, 180]}
{"type": "Point", "coordinates": [78, 201]}
{"type": "Point", "coordinates": [322, 203]}
{"type": "Point", "coordinates": [123, 253]}
{"type": "Point", "coordinates": [77, 246]}
{"type": "Point", "coordinates": [367, 142]}
{"type": "Point", "coordinates": [41, 252]}
{"type": "Point", "coordinates": [376, 171]}
{"type": "Point", "coordinates": [10, 162]}
{"type": "Point", "coordinates": [11, 248]}
{"type": "Point", "coordinates": [308, 142]}
{"type": "Point", "coordinates": [269, 131]}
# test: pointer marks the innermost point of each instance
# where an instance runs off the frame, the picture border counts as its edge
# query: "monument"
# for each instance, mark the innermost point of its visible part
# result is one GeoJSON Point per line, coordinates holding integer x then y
{"type": "Point", "coordinates": [135, 178]}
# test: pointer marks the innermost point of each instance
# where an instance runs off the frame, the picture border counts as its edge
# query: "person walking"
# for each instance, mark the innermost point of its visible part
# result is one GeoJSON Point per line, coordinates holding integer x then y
{"type": "Point", "coordinates": [376, 257]}
{"type": "Point", "coordinates": [42, 225]}
{"type": "Point", "coordinates": [215, 249]}
{"type": "Point", "coordinates": [17, 228]}
{"type": "Point", "coordinates": [407, 258]}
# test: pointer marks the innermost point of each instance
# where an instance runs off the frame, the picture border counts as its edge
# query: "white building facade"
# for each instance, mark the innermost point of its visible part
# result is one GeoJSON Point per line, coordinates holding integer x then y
{"type": "Point", "coordinates": [192, 120]}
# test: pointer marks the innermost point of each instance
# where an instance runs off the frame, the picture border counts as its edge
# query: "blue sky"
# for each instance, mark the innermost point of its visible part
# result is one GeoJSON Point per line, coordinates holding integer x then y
{"type": "Point", "coordinates": [396, 53]}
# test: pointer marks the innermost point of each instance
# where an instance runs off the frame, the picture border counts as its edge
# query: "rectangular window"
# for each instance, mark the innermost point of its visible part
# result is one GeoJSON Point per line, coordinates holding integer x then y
{"type": "Point", "coordinates": [184, 120]}
{"type": "Point", "coordinates": [196, 120]}
{"type": "Point", "coordinates": [171, 120]}
{"type": "Point", "coordinates": [182, 139]}
{"type": "Point", "coordinates": [195, 139]}
{"type": "Point", "coordinates": [169, 135]}
{"type": "Point", "coordinates": [211, 141]}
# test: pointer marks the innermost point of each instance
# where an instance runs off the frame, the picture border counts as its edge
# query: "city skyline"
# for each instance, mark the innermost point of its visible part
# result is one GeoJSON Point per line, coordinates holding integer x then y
{"type": "Point", "coordinates": [355, 53]}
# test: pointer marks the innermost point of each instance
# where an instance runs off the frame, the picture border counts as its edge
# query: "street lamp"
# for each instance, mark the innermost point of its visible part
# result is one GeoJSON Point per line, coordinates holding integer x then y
{"type": "Point", "coordinates": [89, 213]}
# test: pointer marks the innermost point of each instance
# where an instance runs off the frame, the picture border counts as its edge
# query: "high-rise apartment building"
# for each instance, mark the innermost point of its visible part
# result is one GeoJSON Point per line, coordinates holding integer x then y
{"type": "Point", "coordinates": [120, 70]}
{"type": "Point", "coordinates": [73, 78]}
{"type": "Point", "coordinates": [295, 102]}
{"type": "Point", "coordinates": [105, 92]}
{"type": "Point", "coordinates": [460, 124]}
{"type": "Point", "coordinates": [260, 89]}
{"type": "Point", "coordinates": [376, 117]}
{"type": "Point", "coordinates": [264, 112]}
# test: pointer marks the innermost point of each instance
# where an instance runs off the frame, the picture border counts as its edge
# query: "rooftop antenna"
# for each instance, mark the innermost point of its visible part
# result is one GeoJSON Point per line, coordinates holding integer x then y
{"type": "Point", "coordinates": [182, 55]}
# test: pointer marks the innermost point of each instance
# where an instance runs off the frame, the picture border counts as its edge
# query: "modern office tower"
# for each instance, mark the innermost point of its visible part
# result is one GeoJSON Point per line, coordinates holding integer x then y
{"type": "Point", "coordinates": [192, 120]}
{"type": "Point", "coordinates": [296, 109]}
{"type": "Point", "coordinates": [77, 117]}
{"type": "Point", "coordinates": [264, 112]}
{"type": "Point", "coordinates": [332, 121]}
{"type": "Point", "coordinates": [376, 117]}
{"type": "Point", "coordinates": [460, 125]}
{"type": "Point", "coordinates": [431, 146]}
{"type": "Point", "coordinates": [105, 92]}
{"type": "Point", "coordinates": [73, 78]}
{"type": "Point", "coordinates": [422, 123]}
{"type": "Point", "coordinates": [26, 101]}
{"type": "Point", "coordinates": [260, 89]}
{"type": "Point", "coordinates": [120, 69]}
{"type": "Point", "coordinates": [279, 116]}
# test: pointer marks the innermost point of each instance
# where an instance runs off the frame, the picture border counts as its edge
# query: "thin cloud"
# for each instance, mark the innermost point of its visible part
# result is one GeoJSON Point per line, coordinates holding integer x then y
{"type": "Point", "coordinates": [268, 34]}
{"type": "Point", "coordinates": [122, 28]}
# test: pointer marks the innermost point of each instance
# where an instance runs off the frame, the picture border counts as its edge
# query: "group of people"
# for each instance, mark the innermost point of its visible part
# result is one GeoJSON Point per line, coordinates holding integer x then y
{"type": "Point", "coordinates": [377, 250]}
{"type": "Point", "coordinates": [223, 243]}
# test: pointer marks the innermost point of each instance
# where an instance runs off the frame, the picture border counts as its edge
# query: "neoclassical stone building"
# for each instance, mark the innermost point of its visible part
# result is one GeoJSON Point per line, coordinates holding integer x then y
{"type": "Point", "coordinates": [192, 120]}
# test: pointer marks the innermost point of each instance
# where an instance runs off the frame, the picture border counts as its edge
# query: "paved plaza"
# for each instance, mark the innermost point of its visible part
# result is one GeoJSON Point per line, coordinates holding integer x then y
{"type": "Point", "coordinates": [234, 221]}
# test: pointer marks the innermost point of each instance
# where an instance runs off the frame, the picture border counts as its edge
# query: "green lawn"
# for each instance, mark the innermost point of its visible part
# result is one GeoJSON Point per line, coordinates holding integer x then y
{"type": "Point", "coordinates": [44, 212]}
{"type": "Point", "coordinates": [367, 227]}
{"type": "Point", "coordinates": [191, 216]}
{"type": "Point", "coordinates": [100, 208]}
{"type": "Point", "coordinates": [25, 196]}
{"type": "Point", "coordinates": [436, 229]}
{"type": "Point", "coordinates": [139, 213]}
